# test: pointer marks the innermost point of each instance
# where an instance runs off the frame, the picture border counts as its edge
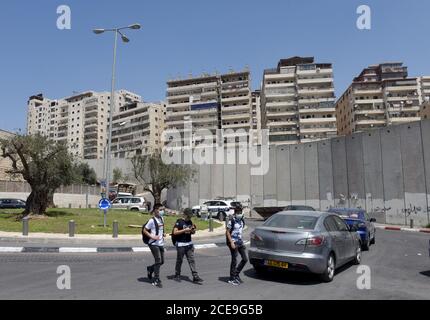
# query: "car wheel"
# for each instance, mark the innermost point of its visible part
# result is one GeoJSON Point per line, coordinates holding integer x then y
{"type": "Point", "coordinates": [357, 259]}
{"type": "Point", "coordinates": [366, 244]}
{"type": "Point", "coordinates": [328, 274]}
{"type": "Point", "coordinates": [373, 241]}
{"type": "Point", "coordinates": [134, 209]}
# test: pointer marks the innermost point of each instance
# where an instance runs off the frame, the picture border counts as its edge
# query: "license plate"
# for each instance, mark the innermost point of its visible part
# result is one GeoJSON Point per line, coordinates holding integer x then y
{"type": "Point", "coordinates": [276, 264]}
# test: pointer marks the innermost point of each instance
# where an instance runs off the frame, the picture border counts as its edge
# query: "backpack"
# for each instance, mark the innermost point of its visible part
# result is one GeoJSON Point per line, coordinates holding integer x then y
{"type": "Point", "coordinates": [145, 238]}
{"type": "Point", "coordinates": [174, 238]}
{"type": "Point", "coordinates": [231, 230]}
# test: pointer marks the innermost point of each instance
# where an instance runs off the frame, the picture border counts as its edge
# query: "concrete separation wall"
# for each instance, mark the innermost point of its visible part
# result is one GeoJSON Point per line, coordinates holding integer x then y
{"type": "Point", "coordinates": [61, 200]}
{"type": "Point", "coordinates": [385, 171]}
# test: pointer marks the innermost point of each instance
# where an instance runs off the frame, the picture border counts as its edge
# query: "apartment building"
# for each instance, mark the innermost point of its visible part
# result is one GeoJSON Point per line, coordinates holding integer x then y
{"type": "Point", "coordinates": [425, 111]}
{"type": "Point", "coordinates": [5, 163]}
{"type": "Point", "coordinates": [298, 101]}
{"type": "Point", "coordinates": [256, 117]}
{"type": "Point", "coordinates": [137, 129]}
{"type": "Point", "coordinates": [209, 102]}
{"type": "Point", "coordinates": [381, 95]}
{"type": "Point", "coordinates": [81, 120]}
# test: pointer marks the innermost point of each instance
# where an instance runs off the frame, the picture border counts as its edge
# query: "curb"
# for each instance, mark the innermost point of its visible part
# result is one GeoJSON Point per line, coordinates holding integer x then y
{"type": "Point", "coordinates": [402, 229]}
{"type": "Point", "coordinates": [100, 249]}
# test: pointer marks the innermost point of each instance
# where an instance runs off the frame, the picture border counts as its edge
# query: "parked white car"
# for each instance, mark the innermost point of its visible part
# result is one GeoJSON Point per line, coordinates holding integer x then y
{"type": "Point", "coordinates": [130, 203]}
{"type": "Point", "coordinates": [221, 209]}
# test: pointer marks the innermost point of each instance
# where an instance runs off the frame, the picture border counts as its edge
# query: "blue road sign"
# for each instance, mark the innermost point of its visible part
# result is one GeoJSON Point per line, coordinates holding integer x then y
{"type": "Point", "coordinates": [105, 204]}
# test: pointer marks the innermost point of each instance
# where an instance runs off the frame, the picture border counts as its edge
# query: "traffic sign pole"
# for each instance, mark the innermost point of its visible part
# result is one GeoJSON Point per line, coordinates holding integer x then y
{"type": "Point", "coordinates": [104, 222]}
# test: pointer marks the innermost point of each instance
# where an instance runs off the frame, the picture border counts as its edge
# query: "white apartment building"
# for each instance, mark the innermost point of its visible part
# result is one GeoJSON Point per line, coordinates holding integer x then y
{"type": "Point", "coordinates": [381, 95]}
{"type": "Point", "coordinates": [209, 102]}
{"type": "Point", "coordinates": [297, 101]}
{"type": "Point", "coordinates": [81, 121]}
{"type": "Point", "coordinates": [137, 129]}
{"type": "Point", "coordinates": [256, 117]}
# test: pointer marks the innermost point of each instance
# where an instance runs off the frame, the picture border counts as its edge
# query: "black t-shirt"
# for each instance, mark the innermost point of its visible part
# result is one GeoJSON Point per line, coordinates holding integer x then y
{"type": "Point", "coordinates": [182, 224]}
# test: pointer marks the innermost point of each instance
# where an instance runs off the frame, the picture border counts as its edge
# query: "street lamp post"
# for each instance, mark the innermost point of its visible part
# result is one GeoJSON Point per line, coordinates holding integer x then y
{"type": "Point", "coordinates": [116, 31]}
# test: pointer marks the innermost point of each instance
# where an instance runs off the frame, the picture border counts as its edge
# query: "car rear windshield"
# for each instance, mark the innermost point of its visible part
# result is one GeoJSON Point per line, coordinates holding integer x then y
{"type": "Point", "coordinates": [300, 208]}
{"type": "Point", "coordinates": [292, 222]}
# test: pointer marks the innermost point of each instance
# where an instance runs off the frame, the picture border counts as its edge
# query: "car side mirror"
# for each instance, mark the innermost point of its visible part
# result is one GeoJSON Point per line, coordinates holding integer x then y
{"type": "Point", "coordinates": [372, 220]}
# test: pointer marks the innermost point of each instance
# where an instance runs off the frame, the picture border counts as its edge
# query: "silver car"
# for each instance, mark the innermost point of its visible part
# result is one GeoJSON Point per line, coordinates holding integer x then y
{"type": "Point", "coordinates": [309, 241]}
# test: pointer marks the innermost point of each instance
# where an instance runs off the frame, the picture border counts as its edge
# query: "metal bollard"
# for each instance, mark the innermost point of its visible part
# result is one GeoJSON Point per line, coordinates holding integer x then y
{"type": "Point", "coordinates": [115, 229]}
{"type": "Point", "coordinates": [412, 223]}
{"type": "Point", "coordinates": [25, 226]}
{"type": "Point", "coordinates": [71, 228]}
{"type": "Point", "coordinates": [211, 226]}
{"type": "Point", "coordinates": [70, 206]}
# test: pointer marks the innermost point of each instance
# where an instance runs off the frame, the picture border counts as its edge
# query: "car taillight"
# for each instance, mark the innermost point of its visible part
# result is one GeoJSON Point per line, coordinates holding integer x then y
{"type": "Point", "coordinates": [256, 237]}
{"type": "Point", "coordinates": [313, 241]}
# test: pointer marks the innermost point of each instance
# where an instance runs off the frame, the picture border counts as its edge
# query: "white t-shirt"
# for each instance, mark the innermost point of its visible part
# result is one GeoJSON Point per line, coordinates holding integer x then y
{"type": "Point", "coordinates": [151, 226]}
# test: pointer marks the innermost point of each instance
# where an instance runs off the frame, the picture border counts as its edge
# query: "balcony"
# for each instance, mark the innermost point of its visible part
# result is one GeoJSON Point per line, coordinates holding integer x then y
{"type": "Point", "coordinates": [316, 91]}
{"type": "Point", "coordinates": [369, 122]}
{"type": "Point", "coordinates": [241, 108]}
{"type": "Point", "coordinates": [315, 100]}
{"type": "Point", "coordinates": [318, 130]}
{"type": "Point", "coordinates": [318, 120]}
{"type": "Point", "coordinates": [314, 71]}
{"type": "Point", "coordinates": [404, 119]}
{"type": "Point", "coordinates": [273, 124]}
{"type": "Point", "coordinates": [280, 104]}
{"type": "Point", "coordinates": [178, 105]}
{"type": "Point", "coordinates": [279, 114]}
{"type": "Point", "coordinates": [369, 91]}
{"type": "Point", "coordinates": [235, 99]}
{"type": "Point", "coordinates": [314, 80]}
{"type": "Point", "coordinates": [317, 110]}
{"type": "Point", "coordinates": [369, 101]}
{"type": "Point", "coordinates": [235, 116]}
{"type": "Point", "coordinates": [279, 76]}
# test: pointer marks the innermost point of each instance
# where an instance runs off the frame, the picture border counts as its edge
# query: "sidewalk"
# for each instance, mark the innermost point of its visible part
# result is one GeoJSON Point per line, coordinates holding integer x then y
{"type": "Point", "coordinates": [400, 228]}
{"type": "Point", "coordinates": [200, 234]}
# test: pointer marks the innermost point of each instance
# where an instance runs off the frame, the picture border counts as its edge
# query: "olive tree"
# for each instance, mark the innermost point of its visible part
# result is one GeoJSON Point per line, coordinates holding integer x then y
{"type": "Point", "coordinates": [43, 163]}
{"type": "Point", "coordinates": [156, 176]}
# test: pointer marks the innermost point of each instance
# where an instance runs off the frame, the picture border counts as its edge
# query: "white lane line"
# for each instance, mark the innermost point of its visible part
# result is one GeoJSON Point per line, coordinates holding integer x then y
{"type": "Point", "coordinates": [141, 249]}
{"type": "Point", "coordinates": [205, 246]}
{"type": "Point", "coordinates": [78, 250]}
{"type": "Point", "coordinates": [11, 249]}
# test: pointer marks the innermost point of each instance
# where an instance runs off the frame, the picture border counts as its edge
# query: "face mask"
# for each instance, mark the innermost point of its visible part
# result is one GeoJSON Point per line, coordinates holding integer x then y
{"type": "Point", "coordinates": [239, 216]}
{"type": "Point", "coordinates": [161, 213]}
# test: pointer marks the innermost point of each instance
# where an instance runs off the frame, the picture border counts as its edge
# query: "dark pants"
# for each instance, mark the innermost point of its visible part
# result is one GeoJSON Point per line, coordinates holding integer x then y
{"type": "Point", "coordinates": [158, 254]}
{"type": "Point", "coordinates": [234, 268]}
{"type": "Point", "coordinates": [187, 251]}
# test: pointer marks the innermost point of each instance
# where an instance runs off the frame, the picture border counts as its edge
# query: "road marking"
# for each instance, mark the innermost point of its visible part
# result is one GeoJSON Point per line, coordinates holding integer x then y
{"type": "Point", "coordinates": [78, 250]}
{"type": "Point", "coordinates": [205, 246]}
{"type": "Point", "coordinates": [141, 249]}
{"type": "Point", "coordinates": [11, 249]}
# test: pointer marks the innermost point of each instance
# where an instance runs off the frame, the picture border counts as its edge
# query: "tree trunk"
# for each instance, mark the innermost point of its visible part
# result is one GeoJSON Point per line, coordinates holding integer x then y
{"type": "Point", "coordinates": [37, 202]}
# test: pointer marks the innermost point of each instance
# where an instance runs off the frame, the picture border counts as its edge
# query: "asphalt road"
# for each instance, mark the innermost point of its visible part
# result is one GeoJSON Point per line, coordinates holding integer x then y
{"type": "Point", "coordinates": [399, 264]}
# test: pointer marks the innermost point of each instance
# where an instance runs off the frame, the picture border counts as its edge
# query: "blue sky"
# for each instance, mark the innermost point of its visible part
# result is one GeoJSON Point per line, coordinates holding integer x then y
{"type": "Point", "coordinates": [194, 36]}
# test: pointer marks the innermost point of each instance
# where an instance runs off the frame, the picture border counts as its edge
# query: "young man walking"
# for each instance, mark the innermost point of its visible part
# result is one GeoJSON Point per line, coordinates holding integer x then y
{"type": "Point", "coordinates": [182, 232]}
{"type": "Point", "coordinates": [234, 233]}
{"type": "Point", "coordinates": [154, 230]}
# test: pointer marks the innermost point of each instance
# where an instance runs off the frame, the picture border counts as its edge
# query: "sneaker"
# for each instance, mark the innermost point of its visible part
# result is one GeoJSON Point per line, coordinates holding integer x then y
{"type": "Point", "coordinates": [177, 278]}
{"type": "Point", "coordinates": [197, 279]}
{"type": "Point", "coordinates": [239, 279]}
{"type": "Point", "coordinates": [157, 283]}
{"type": "Point", "coordinates": [149, 269]}
{"type": "Point", "coordinates": [234, 282]}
